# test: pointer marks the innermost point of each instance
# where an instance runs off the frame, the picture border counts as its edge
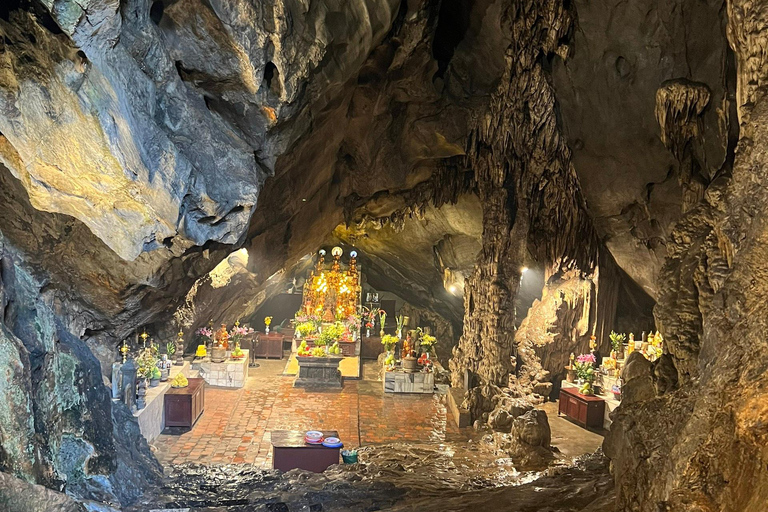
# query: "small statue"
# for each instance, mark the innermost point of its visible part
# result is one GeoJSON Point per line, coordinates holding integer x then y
{"type": "Point", "coordinates": [222, 336]}
{"type": "Point", "coordinates": [571, 361]}
{"type": "Point", "coordinates": [407, 347]}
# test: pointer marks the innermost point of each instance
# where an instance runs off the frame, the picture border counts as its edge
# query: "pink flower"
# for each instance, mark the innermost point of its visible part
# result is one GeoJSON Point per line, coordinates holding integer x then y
{"type": "Point", "coordinates": [586, 358]}
{"type": "Point", "coordinates": [242, 331]}
{"type": "Point", "coordinates": [204, 331]}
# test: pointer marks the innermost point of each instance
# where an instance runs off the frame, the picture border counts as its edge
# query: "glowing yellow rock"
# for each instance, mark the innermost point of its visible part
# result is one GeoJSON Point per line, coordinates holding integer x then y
{"type": "Point", "coordinates": [179, 381]}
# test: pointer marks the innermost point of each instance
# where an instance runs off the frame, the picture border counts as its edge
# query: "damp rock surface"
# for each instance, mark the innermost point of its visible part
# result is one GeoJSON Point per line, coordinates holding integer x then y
{"type": "Point", "coordinates": [393, 478]}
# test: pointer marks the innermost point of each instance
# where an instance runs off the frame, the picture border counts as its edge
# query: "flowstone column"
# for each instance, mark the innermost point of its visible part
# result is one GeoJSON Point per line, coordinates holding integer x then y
{"type": "Point", "coordinates": [531, 197]}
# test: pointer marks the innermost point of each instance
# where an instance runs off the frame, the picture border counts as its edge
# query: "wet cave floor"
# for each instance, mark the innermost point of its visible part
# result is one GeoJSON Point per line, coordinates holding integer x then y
{"type": "Point", "coordinates": [412, 456]}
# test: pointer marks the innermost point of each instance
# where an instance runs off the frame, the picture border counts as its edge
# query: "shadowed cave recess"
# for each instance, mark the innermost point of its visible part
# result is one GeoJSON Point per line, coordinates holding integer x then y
{"type": "Point", "coordinates": [521, 177]}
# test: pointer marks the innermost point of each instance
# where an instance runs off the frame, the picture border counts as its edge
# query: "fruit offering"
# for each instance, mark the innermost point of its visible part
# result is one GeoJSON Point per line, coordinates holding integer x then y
{"type": "Point", "coordinates": [237, 353]}
{"type": "Point", "coordinates": [304, 350]}
{"type": "Point", "coordinates": [179, 381]}
{"type": "Point", "coordinates": [335, 349]}
{"type": "Point", "coordinates": [318, 352]}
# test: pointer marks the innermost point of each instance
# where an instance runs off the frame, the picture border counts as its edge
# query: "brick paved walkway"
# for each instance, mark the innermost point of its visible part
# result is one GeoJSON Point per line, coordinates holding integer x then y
{"type": "Point", "coordinates": [236, 424]}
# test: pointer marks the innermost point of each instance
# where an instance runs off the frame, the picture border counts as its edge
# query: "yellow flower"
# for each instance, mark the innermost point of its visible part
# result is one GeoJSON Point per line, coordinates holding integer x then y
{"type": "Point", "coordinates": [268, 320]}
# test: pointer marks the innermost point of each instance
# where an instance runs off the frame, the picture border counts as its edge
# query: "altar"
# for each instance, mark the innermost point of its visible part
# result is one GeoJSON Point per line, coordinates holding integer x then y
{"type": "Point", "coordinates": [327, 325]}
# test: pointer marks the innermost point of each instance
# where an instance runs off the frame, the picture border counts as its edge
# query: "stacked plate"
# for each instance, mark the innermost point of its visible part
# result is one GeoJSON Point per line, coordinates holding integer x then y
{"type": "Point", "coordinates": [313, 437]}
{"type": "Point", "coordinates": [332, 442]}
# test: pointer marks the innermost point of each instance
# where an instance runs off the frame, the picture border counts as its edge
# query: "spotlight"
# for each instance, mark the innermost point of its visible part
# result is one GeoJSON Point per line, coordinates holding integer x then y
{"type": "Point", "coordinates": [524, 270]}
{"type": "Point", "coordinates": [353, 254]}
{"type": "Point", "coordinates": [452, 288]}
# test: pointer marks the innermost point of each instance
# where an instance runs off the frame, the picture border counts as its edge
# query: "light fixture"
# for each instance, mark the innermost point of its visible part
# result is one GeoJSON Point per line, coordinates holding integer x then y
{"type": "Point", "coordinates": [452, 288]}
{"type": "Point", "coordinates": [353, 254]}
{"type": "Point", "coordinates": [321, 252]}
{"type": "Point", "coordinates": [524, 270]}
{"type": "Point", "coordinates": [337, 251]}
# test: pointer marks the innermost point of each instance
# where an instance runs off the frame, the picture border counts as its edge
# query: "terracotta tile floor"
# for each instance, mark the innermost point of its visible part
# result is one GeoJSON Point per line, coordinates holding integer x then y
{"type": "Point", "coordinates": [236, 424]}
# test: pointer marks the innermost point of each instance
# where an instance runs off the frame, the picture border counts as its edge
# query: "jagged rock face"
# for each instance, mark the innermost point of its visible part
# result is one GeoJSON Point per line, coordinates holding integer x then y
{"type": "Point", "coordinates": [714, 425]}
{"type": "Point", "coordinates": [620, 55]}
{"type": "Point", "coordinates": [56, 423]}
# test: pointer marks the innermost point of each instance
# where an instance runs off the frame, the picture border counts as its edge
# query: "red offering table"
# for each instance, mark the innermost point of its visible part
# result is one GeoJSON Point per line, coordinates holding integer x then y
{"type": "Point", "coordinates": [588, 411]}
{"type": "Point", "coordinates": [290, 451]}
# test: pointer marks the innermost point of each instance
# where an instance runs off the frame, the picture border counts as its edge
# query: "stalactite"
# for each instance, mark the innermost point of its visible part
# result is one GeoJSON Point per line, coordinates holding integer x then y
{"type": "Point", "coordinates": [530, 196]}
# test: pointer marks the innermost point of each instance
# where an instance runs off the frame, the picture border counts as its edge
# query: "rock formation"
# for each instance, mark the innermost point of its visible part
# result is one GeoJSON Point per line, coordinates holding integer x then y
{"type": "Point", "coordinates": [617, 148]}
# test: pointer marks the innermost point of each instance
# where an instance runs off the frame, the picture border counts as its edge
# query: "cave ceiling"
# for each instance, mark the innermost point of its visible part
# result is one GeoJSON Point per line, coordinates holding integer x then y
{"type": "Point", "coordinates": [175, 132]}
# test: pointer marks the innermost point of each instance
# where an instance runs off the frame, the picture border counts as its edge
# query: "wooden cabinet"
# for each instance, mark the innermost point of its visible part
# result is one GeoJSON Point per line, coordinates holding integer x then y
{"type": "Point", "coordinates": [371, 347]}
{"type": "Point", "coordinates": [588, 411]}
{"type": "Point", "coordinates": [183, 406]}
{"type": "Point", "coordinates": [269, 345]}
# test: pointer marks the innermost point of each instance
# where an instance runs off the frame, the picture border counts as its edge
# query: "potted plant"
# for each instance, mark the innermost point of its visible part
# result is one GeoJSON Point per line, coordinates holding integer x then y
{"type": "Point", "coordinates": [617, 342]}
{"type": "Point", "coordinates": [146, 363]}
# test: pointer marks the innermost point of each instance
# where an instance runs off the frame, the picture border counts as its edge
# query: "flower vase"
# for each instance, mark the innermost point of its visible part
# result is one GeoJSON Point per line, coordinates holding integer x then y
{"type": "Point", "coordinates": [266, 330]}
{"type": "Point", "coordinates": [399, 334]}
{"type": "Point", "coordinates": [367, 333]}
{"type": "Point", "coordinates": [381, 333]}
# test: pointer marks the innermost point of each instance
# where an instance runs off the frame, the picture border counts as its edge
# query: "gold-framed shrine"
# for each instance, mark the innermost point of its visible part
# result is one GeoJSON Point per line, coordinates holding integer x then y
{"type": "Point", "coordinates": [333, 291]}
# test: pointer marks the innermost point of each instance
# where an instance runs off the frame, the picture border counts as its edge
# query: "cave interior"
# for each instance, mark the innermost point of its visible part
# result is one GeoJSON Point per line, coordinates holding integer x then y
{"type": "Point", "coordinates": [557, 203]}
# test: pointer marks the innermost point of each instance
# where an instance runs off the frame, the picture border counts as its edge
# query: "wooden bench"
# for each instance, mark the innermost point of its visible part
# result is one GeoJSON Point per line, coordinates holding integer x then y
{"type": "Point", "coordinates": [290, 451]}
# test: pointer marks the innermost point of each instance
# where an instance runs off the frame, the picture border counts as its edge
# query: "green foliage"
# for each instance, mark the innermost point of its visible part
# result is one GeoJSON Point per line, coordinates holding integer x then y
{"type": "Point", "coordinates": [617, 340]}
{"type": "Point", "coordinates": [170, 348]}
{"type": "Point", "coordinates": [155, 373]}
{"type": "Point", "coordinates": [146, 361]}
{"type": "Point", "coordinates": [330, 334]}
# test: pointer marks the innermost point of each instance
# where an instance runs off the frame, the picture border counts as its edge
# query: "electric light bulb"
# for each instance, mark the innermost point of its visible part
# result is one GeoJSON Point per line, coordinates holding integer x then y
{"type": "Point", "coordinates": [452, 289]}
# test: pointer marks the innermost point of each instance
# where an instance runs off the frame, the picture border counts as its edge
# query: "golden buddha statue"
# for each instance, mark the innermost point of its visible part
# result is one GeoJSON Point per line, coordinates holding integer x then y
{"type": "Point", "coordinates": [407, 347]}
{"type": "Point", "coordinates": [222, 337]}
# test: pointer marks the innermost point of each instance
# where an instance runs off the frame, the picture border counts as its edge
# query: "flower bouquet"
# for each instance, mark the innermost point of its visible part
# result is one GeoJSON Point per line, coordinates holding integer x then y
{"type": "Point", "coordinates": [389, 342]}
{"type": "Point", "coordinates": [585, 371]}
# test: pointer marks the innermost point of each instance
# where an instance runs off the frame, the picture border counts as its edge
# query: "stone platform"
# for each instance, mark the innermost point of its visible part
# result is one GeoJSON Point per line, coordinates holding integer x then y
{"type": "Point", "coordinates": [152, 417]}
{"type": "Point", "coordinates": [319, 372]}
{"type": "Point", "coordinates": [227, 374]}
{"type": "Point", "coordinates": [403, 382]}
